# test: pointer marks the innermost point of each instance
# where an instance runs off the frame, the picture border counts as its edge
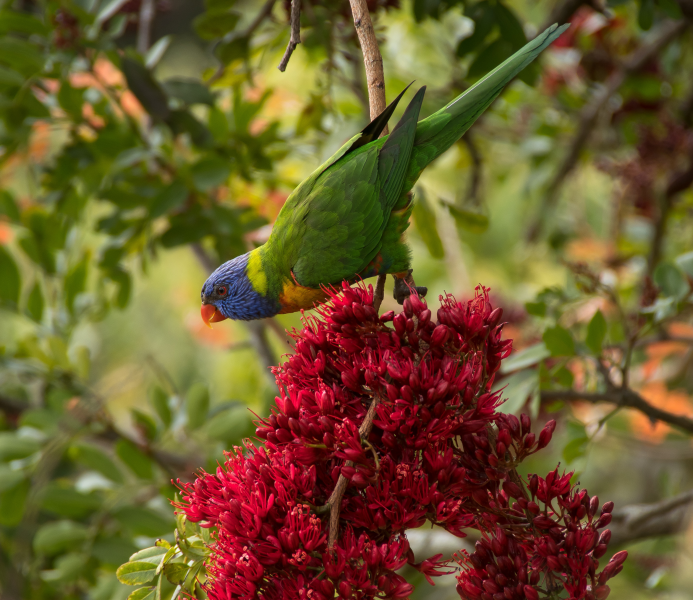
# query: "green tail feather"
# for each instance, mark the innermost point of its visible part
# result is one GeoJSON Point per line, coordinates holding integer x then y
{"type": "Point", "coordinates": [435, 134]}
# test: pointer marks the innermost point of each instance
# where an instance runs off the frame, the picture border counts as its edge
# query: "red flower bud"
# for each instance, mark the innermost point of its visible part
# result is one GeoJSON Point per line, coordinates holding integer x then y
{"type": "Point", "coordinates": [439, 335]}
{"type": "Point", "coordinates": [495, 316]}
{"type": "Point", "coordinates": [387, 317]}
{"type": "Point", "coordinates": [608, 507]}
{"type": "Point", "coordinates": [530, 593]}
{"type": "Point", "coordinates": [602, 592]}
{"type": "Point", "coordinates": [546, 434]}
{"type": "Point", "coordinates": [604, 520]}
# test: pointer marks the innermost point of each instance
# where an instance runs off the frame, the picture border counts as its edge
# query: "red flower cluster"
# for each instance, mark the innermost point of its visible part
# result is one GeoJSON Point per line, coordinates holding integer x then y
{"type": "Point", "coordinates": [400, 408]}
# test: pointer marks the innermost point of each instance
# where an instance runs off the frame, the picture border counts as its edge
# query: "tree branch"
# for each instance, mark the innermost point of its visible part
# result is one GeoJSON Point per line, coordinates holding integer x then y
{"type": "Point", "coordinates": [667, 32]}
{"type": "Point", "coordinates": [295, 38]}
{"type": "Point", "coordinates": [638, 521]}
{"type": "Point", "coordinates": [624, 398]}
{"type": "Point", "coordinates": [144, 29]}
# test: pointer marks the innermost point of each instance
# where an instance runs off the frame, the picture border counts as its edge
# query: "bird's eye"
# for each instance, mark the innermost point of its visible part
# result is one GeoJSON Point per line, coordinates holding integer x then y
{"type": "Point", "coordinates": [222, 290]}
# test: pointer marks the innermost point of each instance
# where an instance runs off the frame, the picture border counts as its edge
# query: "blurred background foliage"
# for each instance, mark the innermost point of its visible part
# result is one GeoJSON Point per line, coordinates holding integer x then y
{"type": "Point", "coordinates": [143, 142]}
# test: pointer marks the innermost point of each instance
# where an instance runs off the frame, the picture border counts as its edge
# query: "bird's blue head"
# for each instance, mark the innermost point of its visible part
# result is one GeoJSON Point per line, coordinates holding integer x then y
{"type": "Point", "coordinates": [229, 293]}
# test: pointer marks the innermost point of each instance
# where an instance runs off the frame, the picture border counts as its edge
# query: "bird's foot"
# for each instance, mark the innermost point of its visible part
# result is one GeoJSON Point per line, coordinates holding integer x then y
{"type": "Point", "coordinates": [404, 286]}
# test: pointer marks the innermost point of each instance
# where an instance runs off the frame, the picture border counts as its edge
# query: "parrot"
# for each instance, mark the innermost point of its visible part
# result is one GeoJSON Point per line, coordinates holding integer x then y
{"type": "Point", "coordinates": [346, 221]}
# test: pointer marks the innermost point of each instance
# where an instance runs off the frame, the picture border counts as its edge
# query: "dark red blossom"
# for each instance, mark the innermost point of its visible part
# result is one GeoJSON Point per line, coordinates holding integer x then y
{"type": "Point", "coordinates": [438, 452]}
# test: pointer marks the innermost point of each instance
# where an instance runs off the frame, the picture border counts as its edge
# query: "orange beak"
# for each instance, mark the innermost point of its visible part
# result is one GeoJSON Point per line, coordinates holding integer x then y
{"type": "Point", "coordinates": [210, 314]}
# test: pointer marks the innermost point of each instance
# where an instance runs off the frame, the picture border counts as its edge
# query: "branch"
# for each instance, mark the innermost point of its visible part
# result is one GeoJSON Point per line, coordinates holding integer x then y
{"type": "Point", "coordinates": [295, 38]}
{"type": "Point", "coordinates": [144, 30]}
{"type": "Point", "coordinates": [638, 521]}
{"type": "Point", "coordinates": [623, 398]}
{"type": "Point", "coordinates": [372, 59]}
{"type": "Point", "coordinates": [667, 32]}
{"type": "Point", "coordinates": [678, 183]}
{"type": "Point", "coordinates": [335, 500]}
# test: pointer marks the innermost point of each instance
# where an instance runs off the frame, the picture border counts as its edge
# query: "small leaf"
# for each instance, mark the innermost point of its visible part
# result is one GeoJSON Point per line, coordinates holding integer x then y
{"type": "Point", "coordinates": [56, 537]}
{"type": "Point", "coordinates": [75, 281]}
{"type": "Point", "coordinates": [525, 358]}
{"type": "Point", "coordinates": [189, 91]}
{"type": "Point", "coordinates": [596, 331]}
{"type": "Point", "coordinates": [197, 405]}
{"type": "Point", "coordinates": [10, 280]}
{"type": "Point", "coordinates": [230, 425]}
{"type": "Point", "coordinates": [215, 23]}
{"type": "Point", "coordinates": [490, 57]}
{"type": "Point", "coordinates": [575, 449]}
{"type": "Point", "coordinates": [170, 198]}
{"type": "Point", "coordinates": [144, 593]}
{"type": "Point", "coordinates": [685, 263]}
{"type": "Point", "coordinates": [518, 389]}
{"type": "Point", "coordinates": [425, 221]}
{"type": "Point", "coordinates": [176, 572]}
{"type": "Point", "coordinates": [34, 304]}
{"type": "Point", "coordinates": [8, 207]}
{"type": "Point", "coordinates": [210, 172]}
{"type": "Point", "coordinates": [153, 555]}
{"type": "Point", "coordinates": [13, 447]}
{"type": "Point", "coordinates": [136, 573]}
{"type": "Point", "coordinates": [646, 14]}
{"type": "Point", "coordinates": [537, 309]}
{"type": "Point", "coordinates": [159, 401]}
{"type": "Point", "coordinates": [140, 464]}
{"type": "Point", "coordinates": [669, 278]}
{"type": "Point", "coordinates": [145, 88]}
{"type": "Point", "coordinates": [157, 51]}
{"type": "Point", "coordinates": [96, 459]}
{"type": "Point", "coordinates": [558, 341]}
{"type": "Point", "coordinates": [13, 503]}
{"type": "Point", "coordinates": [144, 521]}
{"type": "Point", "coordinates": [470, 219]}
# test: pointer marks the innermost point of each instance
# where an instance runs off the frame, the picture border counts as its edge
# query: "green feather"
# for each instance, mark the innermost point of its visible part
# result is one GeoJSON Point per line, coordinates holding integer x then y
{"type": "Point", "coordinates": [341, 218]}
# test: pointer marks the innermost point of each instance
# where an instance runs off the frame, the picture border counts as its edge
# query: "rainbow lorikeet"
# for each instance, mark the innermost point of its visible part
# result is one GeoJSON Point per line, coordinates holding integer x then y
{"type": "Point", "coordinates": [346, 220]}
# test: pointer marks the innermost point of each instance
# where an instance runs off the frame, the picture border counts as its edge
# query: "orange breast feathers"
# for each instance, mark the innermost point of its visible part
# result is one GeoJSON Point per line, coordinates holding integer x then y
{"type": "Point", "coordinates": [295, 297]}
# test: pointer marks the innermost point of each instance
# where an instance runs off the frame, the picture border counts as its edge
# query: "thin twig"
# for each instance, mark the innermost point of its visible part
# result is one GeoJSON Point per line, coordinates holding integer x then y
{"type": "Point", "coordinates": [144, 29]}
{"type": "Point", "coordinates": [625, 398]}
{"type": "Point", "coordinates": [639, 521]}
{"type": "Point", "coordinates": [667, 32]}
{"type": "Point", "coordinates": [379, 292]}
{"type": "Point", "coordinates": [372, 59]}
{"type": "Point", "coordinates": [295, 38]}
{"type": "Point", "coordinates": [335, 499]}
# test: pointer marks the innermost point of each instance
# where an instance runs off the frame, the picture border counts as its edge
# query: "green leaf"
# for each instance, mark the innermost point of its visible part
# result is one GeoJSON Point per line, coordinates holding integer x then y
{"type": "Point", "coordinates": [518, 389]}
{"type": "Point", "coordinates": [510, 26]}
{"type": "Point", "coordinates": [71, 100]}
{"type": "Point", "coordinates": [469, 219]}
{"type": "Point", "coordinates": [93, 458]}
{"type": "Point", "coordinates": [15, 22]}
{"type": "Point", "coordinates": [176, 572]}
{"type": "Point", "coordinates": [670, 8]}
{"type": "Point", "coordinates": [159, 401]}
{"type": "Point", "coordinates": [13, 447]}
{"type": "Point", "coordinates": [34, 304]}
{"type": "Point", "coordinates": [210, 172]}
{"type": "Point", "coordinates": [484, 21]}
{"type": "Point", "coordinates": [10, 280]}
{"type": "Point", "coordinates": [68, 568]}
{"type": "Point", "coordinates": [189, 91]}
{"type": "Point", "coordinates": [157, 51]}
{"type": "Point", "coordinates": [56, 537]}
{"type": "Point", "coordinates": [20, 55]}
{"type": "Point", "coordinates": [230, 425]}
{"type": "Point", "coordinates": [153, 554]}
{"type": "Point", "coordinates": [144, 593]}
{"type": "Point", "coordinates": [216, 23]}
{"type": "Point", "coordinates": [237, 48]}
{"type": "Point", "coordinates": [146, 89]}
{"type": "Point", "coordinates": [144, 521]}
{"type": "Point", "coordinates": [558, 341]}
{"type": "Point", "coordinates": [574, 449]}
{"type": "Point", "coordinates": [11, 77]}
{"type": "Point", "coordinates": [170, 198]}
{"type": "Point", "coordinates": [144, 423]}
{"type": "Point", "coordinates": [490, 57]}
{"type": "Point", "coordinates": [112, 550]}
{"type": "Point", "coordinates": [75, 281]}
{"type": "Point", "coordinates": [596, 331]}
{"type": "Point", "coordinates": [537, 309]}
{"type": "Point", "coordinates": [425, 221]}
{"type": "Point", "coordinates": [8, 207]}
{"type": "Point", "coordinates": [685, 263]}
{"type": "Point", "coordinates": [669, 278]}
{"type": "Point", "coordinates": [525, 358]}
{"type": "Point", "coordinates": [182, 121]}
{"type": "Point", "coordinates": [136, 573]}
{"type": "Point", "coordinates": [138, 462]}
{"type": "Point", "coordinates": [646, 14]}
{"type": "Point", "coordinates": [9, 478]}
{"type": "Point", "coordinates": [13, 503]}
{"type": "Point", "coordinates": [62, 499]}
{"type": "Point", "coordinates": [197, 405]}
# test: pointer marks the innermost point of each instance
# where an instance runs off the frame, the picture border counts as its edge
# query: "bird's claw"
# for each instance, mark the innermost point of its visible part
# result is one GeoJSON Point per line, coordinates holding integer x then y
{"type": "Point", "coordinates": [404, 287]}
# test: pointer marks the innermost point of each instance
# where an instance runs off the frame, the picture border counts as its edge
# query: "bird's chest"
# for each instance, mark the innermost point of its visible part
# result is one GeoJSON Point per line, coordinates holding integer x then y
{"type": "Point", "coordinates": [294, 297]}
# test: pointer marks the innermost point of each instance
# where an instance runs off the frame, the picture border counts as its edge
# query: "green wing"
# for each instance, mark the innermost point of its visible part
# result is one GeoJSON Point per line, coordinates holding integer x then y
{"type": "Point", "coordinates": [331, 228]}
